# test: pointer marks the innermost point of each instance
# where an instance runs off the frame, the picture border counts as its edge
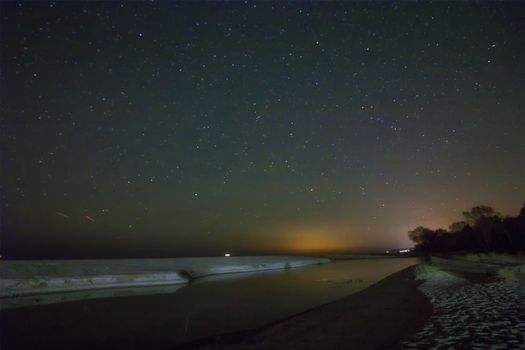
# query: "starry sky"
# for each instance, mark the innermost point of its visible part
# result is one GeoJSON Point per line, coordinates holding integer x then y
{"type": "Point", "coordinates": [192, 128]}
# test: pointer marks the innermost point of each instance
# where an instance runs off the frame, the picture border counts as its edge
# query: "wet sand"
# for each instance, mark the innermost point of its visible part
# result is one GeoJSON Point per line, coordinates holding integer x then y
{"type": "Point", "coordinates": [379, 317]}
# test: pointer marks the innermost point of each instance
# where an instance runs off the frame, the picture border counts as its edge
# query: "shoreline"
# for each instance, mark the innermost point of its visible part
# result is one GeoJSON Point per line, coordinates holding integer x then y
{"type": "Point", "coordinates": [443, 304]}
{"type": "Point", "coordinates": [202, 309]}
{"type": "Point", "coordinates": [422, 306]}
{"type": "Point", "coordinates": [36, 277]}
{"type": "Point", "coordinates": [391, 310]}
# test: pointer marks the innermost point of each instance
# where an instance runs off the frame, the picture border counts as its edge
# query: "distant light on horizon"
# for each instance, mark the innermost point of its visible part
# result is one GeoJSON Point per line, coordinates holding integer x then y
{"type": "Point", "coordinates": [227, 255]}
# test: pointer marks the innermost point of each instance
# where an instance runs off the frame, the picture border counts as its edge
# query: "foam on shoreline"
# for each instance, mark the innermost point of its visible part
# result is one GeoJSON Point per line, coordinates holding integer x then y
{"type": "Point", "coordinates": [30, 277]}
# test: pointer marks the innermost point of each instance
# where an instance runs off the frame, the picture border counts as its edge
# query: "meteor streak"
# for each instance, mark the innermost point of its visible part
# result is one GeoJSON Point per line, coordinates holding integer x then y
{"type": "Point", "coordinates": [62, 214]}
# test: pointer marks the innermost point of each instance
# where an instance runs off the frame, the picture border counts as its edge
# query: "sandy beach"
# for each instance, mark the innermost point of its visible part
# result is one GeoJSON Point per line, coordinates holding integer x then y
{"type": "Point", "coordinates": [421, 307]}
{"type": "Point", "coordinates": [471, 311]}
{"type": "Point", "coordinates": [379, 317]}
{"type": "Point", "coordinates": [425, 306]}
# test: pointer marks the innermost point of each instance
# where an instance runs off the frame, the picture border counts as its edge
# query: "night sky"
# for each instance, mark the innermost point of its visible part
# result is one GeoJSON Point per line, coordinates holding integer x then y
{"type": "Point", "coordinates": [177, 129]}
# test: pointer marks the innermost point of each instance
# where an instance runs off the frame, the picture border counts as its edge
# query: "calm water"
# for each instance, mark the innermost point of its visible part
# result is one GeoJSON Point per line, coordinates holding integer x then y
{"type": "Point", "coordinates": [209, 306]}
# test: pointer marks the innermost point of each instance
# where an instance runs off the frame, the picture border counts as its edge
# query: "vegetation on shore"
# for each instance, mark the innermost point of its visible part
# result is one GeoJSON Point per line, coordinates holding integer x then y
{"type": "Point", "coordinates": [493, 258]}
{"type": "Point", "coordinates": [512, 273]}
{"type": "Point", "coordinates": [483, 231]}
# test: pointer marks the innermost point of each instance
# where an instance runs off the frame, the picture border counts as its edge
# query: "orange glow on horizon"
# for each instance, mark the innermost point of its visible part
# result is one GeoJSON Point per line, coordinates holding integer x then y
{"type": "Point", "coordinates": [317, 240]}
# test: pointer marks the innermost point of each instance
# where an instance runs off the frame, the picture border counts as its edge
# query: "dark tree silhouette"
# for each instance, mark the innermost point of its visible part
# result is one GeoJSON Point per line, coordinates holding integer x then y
{"type": "Point", "coordinates": [457, 226]}
{"type": "Point", "coordinates": [483, 218]}
{"type": "Point", "coordinates": [484, 230]}
{"type": "Point", "coordinates": [477, 213]}
{"type": "Point", "coordinates": [420, 234]}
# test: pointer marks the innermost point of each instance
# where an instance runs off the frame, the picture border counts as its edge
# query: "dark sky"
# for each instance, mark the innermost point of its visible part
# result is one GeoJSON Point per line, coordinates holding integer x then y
{"type": "Point", "coordinates": [164, 129]}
